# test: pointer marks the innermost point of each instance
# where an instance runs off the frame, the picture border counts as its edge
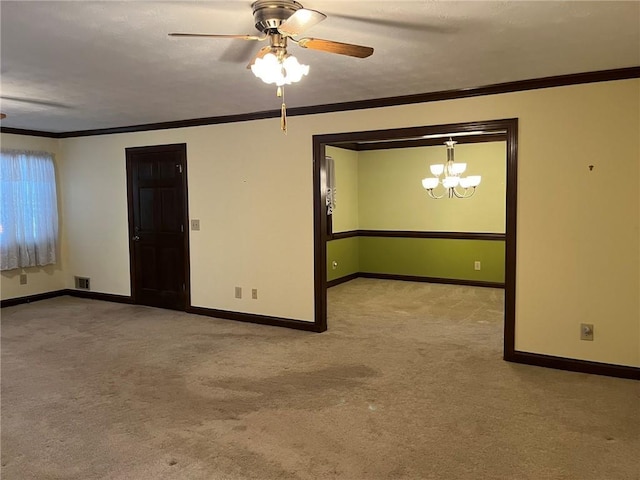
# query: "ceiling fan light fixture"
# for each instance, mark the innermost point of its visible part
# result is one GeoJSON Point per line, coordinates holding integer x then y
{"type": "Point", "coordinates": [280, 21]}
{"type": "Point", "coordinates": [285, 71]}
{"type": "Point", "coordinates": [294, 69]}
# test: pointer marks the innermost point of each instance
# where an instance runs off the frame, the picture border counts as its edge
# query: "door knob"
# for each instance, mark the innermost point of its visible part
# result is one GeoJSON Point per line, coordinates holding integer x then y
{"type": "Point", "coordinates": [136, 238]}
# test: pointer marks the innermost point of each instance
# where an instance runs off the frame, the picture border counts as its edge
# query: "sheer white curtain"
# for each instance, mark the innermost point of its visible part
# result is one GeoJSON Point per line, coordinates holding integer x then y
{"type": "Point", "coordinates": [28, 209]}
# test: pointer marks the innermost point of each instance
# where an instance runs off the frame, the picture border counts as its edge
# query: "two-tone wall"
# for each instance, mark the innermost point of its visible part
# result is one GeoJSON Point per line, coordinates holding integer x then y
{"type": "Point", "coordinates": [578, 229]}
{"type": "Point", "coordinates": [380, 200]}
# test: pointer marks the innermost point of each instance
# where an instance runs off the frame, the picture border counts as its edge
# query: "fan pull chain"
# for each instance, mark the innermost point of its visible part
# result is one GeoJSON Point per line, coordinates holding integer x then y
{"type": "Point", "coordinates": [283, 111]}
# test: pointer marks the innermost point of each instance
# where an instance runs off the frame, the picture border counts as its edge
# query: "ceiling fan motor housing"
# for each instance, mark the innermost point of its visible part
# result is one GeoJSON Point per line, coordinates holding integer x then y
{"type": "Point", "coordinates": [270, 14]}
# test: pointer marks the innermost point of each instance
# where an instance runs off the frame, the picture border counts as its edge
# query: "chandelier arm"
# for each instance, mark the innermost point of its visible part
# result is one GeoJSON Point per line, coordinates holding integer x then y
{"type": "Point", "coordinates": [432, 195]}
{"type": "Point", "coordinates": [464, 194]}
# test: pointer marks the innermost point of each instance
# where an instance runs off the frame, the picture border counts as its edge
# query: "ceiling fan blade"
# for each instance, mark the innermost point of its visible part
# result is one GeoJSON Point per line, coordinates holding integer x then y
{"type": "Point", "coordinates": [421, 27]}
{"type": "Point", "coordinates": [211, 35]}
{"type": "Point", "coordinates": [34, 101]}
{"type": "Point", "coordinates": [336, 47]}
{"type": "Point", "coordinates": [301, 20]}
{"type": "Point", "coordinates": [237, 52]}
{"type": "Point", "coordinates": [263, 51]}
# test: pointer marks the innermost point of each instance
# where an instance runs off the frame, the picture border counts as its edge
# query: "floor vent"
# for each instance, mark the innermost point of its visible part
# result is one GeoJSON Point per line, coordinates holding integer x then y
{"type": "Point", "coordinates": [82, 283]}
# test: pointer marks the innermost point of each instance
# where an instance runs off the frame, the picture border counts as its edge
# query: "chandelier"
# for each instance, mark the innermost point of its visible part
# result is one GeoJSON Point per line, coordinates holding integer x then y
{"type": "Point", "coordinates": [454, 185]}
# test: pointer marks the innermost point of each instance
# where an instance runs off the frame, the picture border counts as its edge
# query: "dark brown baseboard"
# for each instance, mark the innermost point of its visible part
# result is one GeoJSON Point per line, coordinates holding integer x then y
{"type": "Point", "coordinates": [574, 365]}
{"type": "Point", "coordinates": [414, 278]}
{"type": "Point", "coordinates": [10, 302]}
{"type": "Point", "coordinates": [106, 297]}
{"type": "Point", "coordinates": [255, 318]}
{"type": "Point", "coordinates": [223, 314]}
{"type": "Point", "coordinates": [345, 279]}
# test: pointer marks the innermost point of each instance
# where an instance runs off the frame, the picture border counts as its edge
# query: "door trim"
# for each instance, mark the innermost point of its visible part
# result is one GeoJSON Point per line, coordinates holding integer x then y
{"type": "Point", "coordinates": [320, 221]}
{"type": "Point", "coordinates": [180, 148]}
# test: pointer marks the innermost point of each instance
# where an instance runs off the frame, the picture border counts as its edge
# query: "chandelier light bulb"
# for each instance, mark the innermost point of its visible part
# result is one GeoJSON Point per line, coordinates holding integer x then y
{"type": "Point", "coordinates": [465, 182]}
{"type": "Point", "coordinates": [450, 182]}
{"type": "Point", "coordinates": [429, 183]}
{"type": "Point", "coordinates": [458, 168]}
{"type": "Point", "coordinates": [474, 180]}
{"type": "Point", "coordinates": [437, 169]}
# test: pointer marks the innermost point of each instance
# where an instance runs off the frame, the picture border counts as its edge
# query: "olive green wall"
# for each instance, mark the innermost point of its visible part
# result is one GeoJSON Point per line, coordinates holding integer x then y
{"type": "Point", "coordinates": [423, 257]}
{"type": "Point", "coordinates": [346, 253]}
{"type": "Point", "coordinates": [381, 190]}
{"type": "Point", "coordinates": [433, 257]}
{"type": "Point", "coordinates": [391, 197]}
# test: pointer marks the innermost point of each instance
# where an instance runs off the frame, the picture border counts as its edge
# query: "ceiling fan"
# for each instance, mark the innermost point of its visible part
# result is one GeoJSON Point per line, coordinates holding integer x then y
{"type": "Point", "coordinates": [280, 21]}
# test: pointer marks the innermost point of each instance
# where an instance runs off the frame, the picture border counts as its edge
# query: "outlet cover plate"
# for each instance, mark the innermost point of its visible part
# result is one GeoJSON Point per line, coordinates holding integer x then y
{"type": "Point", "coordinates": [586, 331]}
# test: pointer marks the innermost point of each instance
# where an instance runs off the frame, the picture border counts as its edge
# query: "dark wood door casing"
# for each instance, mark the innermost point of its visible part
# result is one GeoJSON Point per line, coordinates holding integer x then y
{"type": "Point", "coordinates": [158, 233]}
{"type": "Point", "coordinates": [507, 128]}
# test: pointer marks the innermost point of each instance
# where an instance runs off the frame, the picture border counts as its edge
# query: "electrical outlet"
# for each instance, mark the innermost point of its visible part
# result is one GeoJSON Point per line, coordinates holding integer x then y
{"type": "Point", "coordinates": [586, 331]}
{"type": "Point", "coordinates": [195, 224]}
{"type": "Point", "coordinates": [238, 292]}
{"type": "Point", "coordinates": [254, 293]}
{"type": "Point", "coordinates": [23, 279]}
{"type": "Point", "coordinates": [477, 265]}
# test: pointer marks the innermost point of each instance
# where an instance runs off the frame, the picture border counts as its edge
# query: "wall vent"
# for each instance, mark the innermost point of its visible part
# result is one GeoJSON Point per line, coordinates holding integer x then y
{"type": "Point", "coordinates": [82, 283]}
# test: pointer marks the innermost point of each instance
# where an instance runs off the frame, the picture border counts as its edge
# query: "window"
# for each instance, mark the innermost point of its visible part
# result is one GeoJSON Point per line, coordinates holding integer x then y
{"type": "Point", "coordinates": [28, 209]}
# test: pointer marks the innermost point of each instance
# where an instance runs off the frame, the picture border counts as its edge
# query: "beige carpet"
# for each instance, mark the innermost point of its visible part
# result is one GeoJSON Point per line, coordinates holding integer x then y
{"type": "Point", "coordinates": [408, 383]}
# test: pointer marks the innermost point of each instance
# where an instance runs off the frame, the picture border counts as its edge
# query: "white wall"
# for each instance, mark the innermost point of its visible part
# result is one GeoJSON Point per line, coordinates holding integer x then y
{"type": "Point", "coordinates": [39, 279]}
{"type": "Point", "coordinates": [578, 258]}
{"type": "Point", "coordinates": [243, 194]}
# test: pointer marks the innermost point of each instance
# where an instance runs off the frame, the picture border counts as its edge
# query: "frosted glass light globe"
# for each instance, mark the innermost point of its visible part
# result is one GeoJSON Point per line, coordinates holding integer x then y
{"type": "Point", "coordinates": [429, 183]}
{"type": "Point", "coordinates": [270, 70]}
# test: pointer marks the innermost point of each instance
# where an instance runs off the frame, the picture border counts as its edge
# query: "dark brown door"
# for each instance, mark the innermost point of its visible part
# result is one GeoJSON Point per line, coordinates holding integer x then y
{"type": "Point", "coordinates": [158, 246]}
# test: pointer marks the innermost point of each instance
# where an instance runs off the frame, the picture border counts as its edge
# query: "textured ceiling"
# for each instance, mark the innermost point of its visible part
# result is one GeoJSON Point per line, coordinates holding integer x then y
{"type": "Point", "coordinates": [80, 65]}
